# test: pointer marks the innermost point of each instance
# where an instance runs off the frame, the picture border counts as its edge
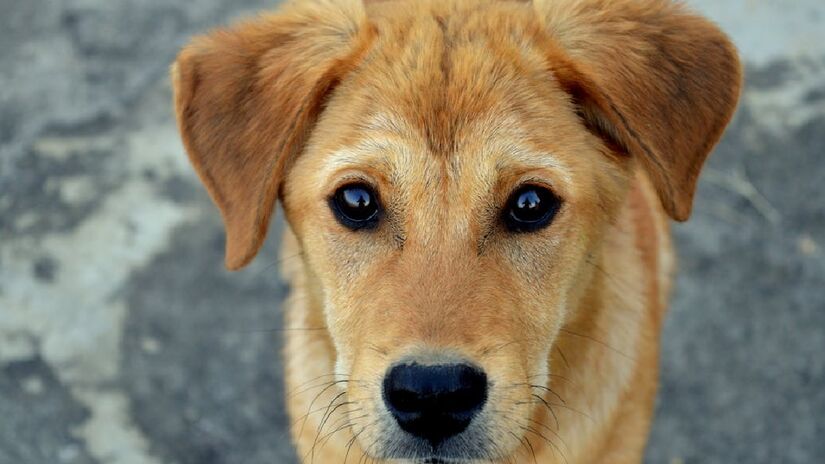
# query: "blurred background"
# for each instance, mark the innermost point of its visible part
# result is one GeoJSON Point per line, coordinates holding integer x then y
{"type": "Point", "coordinates": [124, 341]}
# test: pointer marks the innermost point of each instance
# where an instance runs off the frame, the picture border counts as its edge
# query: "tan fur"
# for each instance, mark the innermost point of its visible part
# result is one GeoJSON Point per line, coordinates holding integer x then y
{"type": "Point", "coordinates": [446, 106]}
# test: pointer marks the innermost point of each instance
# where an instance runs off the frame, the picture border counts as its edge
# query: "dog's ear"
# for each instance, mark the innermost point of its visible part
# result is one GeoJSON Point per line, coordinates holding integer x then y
{"type": "Point", "coordinates": [653, 79]}
{"type": "Point", "coordinates": [247, 97]}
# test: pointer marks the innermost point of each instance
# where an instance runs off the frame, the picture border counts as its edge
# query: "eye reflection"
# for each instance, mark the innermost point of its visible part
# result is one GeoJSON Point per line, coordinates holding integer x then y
{"type": "Point", "coordinates": [530, 208]}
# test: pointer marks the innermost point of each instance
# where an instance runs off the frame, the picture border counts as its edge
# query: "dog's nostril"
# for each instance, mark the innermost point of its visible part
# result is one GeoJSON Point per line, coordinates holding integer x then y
{"type": "Point", "coordinates": [435, 402]}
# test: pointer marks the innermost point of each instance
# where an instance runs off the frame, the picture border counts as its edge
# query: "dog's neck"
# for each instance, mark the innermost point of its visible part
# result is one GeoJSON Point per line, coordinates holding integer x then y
{"type": "Point", "coordinates": [599, 388]}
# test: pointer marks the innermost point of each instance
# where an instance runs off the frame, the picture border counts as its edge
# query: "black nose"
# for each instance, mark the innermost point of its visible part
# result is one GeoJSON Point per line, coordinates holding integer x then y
{"type": "Point", "coordinates": [435, 402]}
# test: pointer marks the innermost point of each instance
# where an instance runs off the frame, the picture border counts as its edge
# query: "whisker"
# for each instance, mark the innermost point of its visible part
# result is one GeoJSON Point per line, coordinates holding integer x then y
{"type": "Point", "coordinates": [532, 451]}
{"type": "Point", "coordinates": [547, 389]}
{"type": "Point", "coordinates": [549, 408]}
{"type": "Point", "coordinates": [561, 377]}
{"type": "Point", "coordinates": [306, 417]}
{"type": "Point", "coordinates": [526, 443]}
{"type": "Point", "coordinates": [377, 349]}
{"type": "Point", "coordinates": [549, 441]}
{"type": "Point", "coordinates": [352, 442]}
{"type": "Point", "coordinates": [526, 427]}
{"type": "Point", "coordinates": [563, 406]}
{"type": "Point", "coordinates": [563, 357]}
{"type": "Point", "coordinates": [345, 419]}
{"type": "Point", "coordinates": [278, 261]}
{"type": "Point", "coordinates": [547, 427]}
{"type": "Point", "coordinates": [324, 421]}
{"type": "Point", "coordinates": [588, 337]}
{"type": "Point", "coordinates": [296, 392]}
{"type": "Point", "coordinates": [374, 441]}
{"type": "Point", "coordinates": [496, 348]}
{"type": "Point", "coordinates": [349, 423]}
{"type": "Point", "coordinates": [622, 283]}
{"type": "Point", "coordinates": [321, 426]}
{"type": "Point", "coordinates": [303, 417]}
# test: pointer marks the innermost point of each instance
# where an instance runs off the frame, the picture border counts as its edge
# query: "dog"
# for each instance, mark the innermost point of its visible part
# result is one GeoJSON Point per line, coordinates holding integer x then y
{"type": "Point", "coordinates": [477, 197]}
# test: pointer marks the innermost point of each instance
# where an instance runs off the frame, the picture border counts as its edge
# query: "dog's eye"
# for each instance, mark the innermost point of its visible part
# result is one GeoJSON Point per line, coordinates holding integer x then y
{"type": "Point", "coordinates": [355, 206]}
{"type": "Point", "coordinates": [530, 208]}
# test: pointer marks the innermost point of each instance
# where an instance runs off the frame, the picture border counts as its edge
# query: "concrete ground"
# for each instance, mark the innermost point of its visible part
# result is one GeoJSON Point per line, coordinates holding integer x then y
{"type": "Point", "coordinates": [123, 340]}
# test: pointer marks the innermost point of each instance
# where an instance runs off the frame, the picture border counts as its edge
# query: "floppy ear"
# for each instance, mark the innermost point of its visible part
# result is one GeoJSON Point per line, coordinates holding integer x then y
{"type": "Point", "coordinates": [652, 79]}
{"type": "Point", "coordinates": [246, 99]}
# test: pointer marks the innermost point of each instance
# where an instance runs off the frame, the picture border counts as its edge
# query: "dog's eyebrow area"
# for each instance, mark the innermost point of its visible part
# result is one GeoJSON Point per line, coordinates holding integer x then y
{"type": "Point", "coordinates": [491, 151]}
{"type": "Point", "coordinates": [389, 163]}
{"type": "Point", "coordinates": [522, 164]}
{"type": "Point", "coordinates": [371, 158]}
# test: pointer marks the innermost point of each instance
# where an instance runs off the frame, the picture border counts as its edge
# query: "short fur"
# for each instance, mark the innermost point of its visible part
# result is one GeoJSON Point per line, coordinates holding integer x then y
{"type": "Point", "coordinates": [446, 106]}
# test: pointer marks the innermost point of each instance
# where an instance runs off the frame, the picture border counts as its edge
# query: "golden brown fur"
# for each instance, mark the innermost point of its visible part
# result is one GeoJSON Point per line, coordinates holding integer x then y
{"type": "Point", "coordinates": [445, 106]}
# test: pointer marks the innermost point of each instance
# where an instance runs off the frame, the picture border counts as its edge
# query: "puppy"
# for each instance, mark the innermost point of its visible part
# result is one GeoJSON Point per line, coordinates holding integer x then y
{"type": "Point", "coordinates": [477, 196]}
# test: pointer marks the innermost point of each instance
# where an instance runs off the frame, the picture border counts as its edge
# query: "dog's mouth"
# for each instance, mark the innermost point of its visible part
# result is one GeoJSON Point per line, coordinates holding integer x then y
{"type": "Point", "coordinates": [414, 451]}
{"type": "Point", "coordinates": [470, 446]}
{"type": "Point", "coordinates": [440, 460]}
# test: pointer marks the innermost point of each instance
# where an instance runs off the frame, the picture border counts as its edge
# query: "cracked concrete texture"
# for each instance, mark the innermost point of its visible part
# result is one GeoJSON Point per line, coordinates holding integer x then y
{"type": "Point", "coordinates": [123, 340]}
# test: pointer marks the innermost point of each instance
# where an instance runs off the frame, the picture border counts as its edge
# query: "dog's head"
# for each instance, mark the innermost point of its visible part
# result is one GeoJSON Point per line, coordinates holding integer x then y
{"type": "Point", "coordinates": [448, 168]}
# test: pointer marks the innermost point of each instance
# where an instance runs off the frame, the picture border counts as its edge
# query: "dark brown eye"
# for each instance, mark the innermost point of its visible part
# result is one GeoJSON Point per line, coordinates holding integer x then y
{"type": "Point", "coordinates": [530, 208]}
{"type": "Point", "coordinates": [355, 206]}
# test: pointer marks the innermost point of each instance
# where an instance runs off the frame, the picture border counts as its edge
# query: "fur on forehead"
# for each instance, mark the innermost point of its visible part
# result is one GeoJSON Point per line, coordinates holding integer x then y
{"type": "Point", "coordinates": [443, 66]}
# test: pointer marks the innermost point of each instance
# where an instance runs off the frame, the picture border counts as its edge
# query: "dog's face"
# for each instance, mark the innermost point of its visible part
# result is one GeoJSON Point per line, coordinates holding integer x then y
{"type": "Point", "coordinates": [450, 171]}
{"type": "Point", "coordinates": [450, 232]}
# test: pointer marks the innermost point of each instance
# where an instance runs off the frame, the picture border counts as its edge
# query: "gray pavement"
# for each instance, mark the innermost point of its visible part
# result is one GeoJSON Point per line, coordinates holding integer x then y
{"type": "Point", "coordinates": [123, 340]}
